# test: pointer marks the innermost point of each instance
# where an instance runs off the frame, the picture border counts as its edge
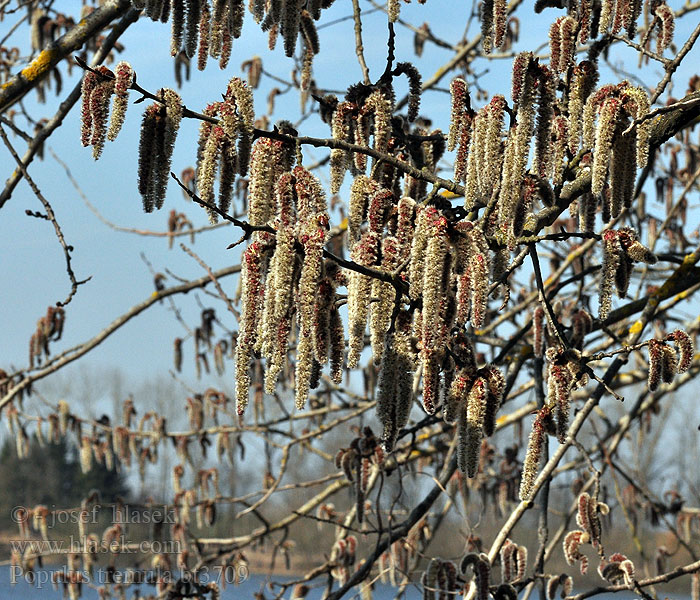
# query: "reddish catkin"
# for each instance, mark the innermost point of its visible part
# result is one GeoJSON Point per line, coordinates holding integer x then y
{"type": "Point", "coordinates": [499, 22]}
{"type": "Point", "coordinates": [587, 518]}
{"type": "Point", "coordinates": [204, 29]}
{"type": "Point", "coordinates": [555, 44]}
{"type": "Point", "coordinates": [572, 552]}
{"type": "Point", "coordinates": [666, 26]}
{"type": "Point", "coordinates": [685, 346]}
{"type": "Point", "coordinates": [584, 19]}
{"type": "Point", "coordinates": [90, 81]}
{"type": "Point", "coordinates": [252, 290]}
{"type": "Point", "coordinates": [559, 383]}
{"type": "Point", "coordinates": [460, 105]}
{"type": "Point", "coordinates": [365, 252]}
{"type": "Point", "coordinates": [567, 52]}
{"type": "Point", "coordinates": [655, 348]}
{"type": "Point", "coordinates": [99, 112]}
{"type": "Point", "coordinates": [508, 566]}
{"type": "Point", "coordinates": [482, 572]}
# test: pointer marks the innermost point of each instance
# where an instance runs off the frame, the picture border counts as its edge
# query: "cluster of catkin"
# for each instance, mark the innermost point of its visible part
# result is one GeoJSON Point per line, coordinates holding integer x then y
{"type": "Point", "coordinates": [481, 567]}
{"type": "Point", "coordinates": [285, 278]}
{"type": "Point", "coordinates": [513, 562]}
{"type": "Point", "coordinates": [619, 15]}
{"type": "Point", "coordinates": [563, 582]}
{"type": "Point", "coordinates": [480, 153]}
{"type": "Point", "coordinates": [225, 146]}
{"type": "Point", "coordinates": [367, 112]}
{"type": "Point", "coordinates": [665, 361]}
{"type": "Point", "coordinates": [588, 519]}
{"type": "Point", "coordinates": [208, 29]}
{"type": "Point", "coordinates": [493, 24]}
{"type": "Point", "coordinates": [483, 157]}
{"type": "Point", "coordinates": [357, 462]}
{"type": "Point", "coordinates": [343, 558]}
{"type": "Point", "coordinates": [617, 569]}
{"type": "Point", "coordinates": [473, 399]}
{"type": "Point", "coordinates": [563, 376]}
{"type": "Point", "coordinates": [198, 27]}
{"type": "Point", "coordinates": [159, 127]}
{"type": "Point", "coordinates": [439, 580]}
{"type": "Point", "coordinates": [49, 328]}
{"type": "Point", "coordinates": [621, 249]}
{"type": "Point", "coordinates": [98, 87]}
{"type": "Point", "coordinates": [664, 21]}
{"type": "Point", "coordinates": [533, 92]}
{"type": "Point", "coordinates": [615, 153]}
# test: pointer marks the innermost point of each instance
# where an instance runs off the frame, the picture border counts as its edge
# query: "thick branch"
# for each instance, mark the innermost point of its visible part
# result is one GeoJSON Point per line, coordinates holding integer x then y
{"type": "Point", "coordinates": [42, 65]}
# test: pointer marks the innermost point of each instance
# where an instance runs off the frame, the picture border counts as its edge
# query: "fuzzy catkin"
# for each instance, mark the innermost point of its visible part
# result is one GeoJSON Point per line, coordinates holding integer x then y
{"type": "Point", "coordinates": [622, 174]}
{"type": "Point", "coordinates": [471, 428]}
{"type": "Point", "coordinates": [206, 170]}
{"type": "Point", "coordinates": [546, 101]}
{"type": "Point", "coordinates": [291, 18]}
{"type": "Point", "coordinates": [534, 453]}
{"type": "Point", "coordinates": [487, 25]}
{"type": "Point", "coordinates": [584, 79]}
{"type": "Point", "coordinates": [603, 143]}
{"type": "Point", "coordinates": [89, 83]}
{"type": "Point", "coordinates": [172, 118]}
{"type": "Point", "coordinates": [341, 130]}
{"type": "Point", "coordinates": [365, 252]}
{"type": "Point", "coordinates": [252, 289]}
{"type": "Point", "coordinates": [381, 108]}
{"type": "Point", "coordinates": [177, 26]}
{"type": "Point", "coordinates": [460, 102]}
{"type": "Point", "coordinates": [666, 26]}
{"type": "Point", "coordinates": [384, 294]}
{"type": "Point", "coordinates": [99, 110]}
{"type": "Point", "coordinates": [192, 27]}
{"type": "Point", "coordinates": [611, 258]}
{"type": "Point", "coordinates": [147, 145]}
{"type": "Point", "coordinates": [124, 78]}
{"type": "Point", "coordinates": [204, 27]}
{"type": "Point", "coordinates": [395, 392]}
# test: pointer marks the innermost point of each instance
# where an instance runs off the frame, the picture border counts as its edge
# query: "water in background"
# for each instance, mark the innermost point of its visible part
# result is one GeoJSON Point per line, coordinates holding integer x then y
{"type": "Point", "coordinates": [245, 590]}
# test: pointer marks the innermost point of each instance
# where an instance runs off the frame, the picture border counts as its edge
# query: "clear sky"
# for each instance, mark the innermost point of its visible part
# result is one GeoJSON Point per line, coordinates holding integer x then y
{"type": "Point", "coordinates": [32, 271]}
